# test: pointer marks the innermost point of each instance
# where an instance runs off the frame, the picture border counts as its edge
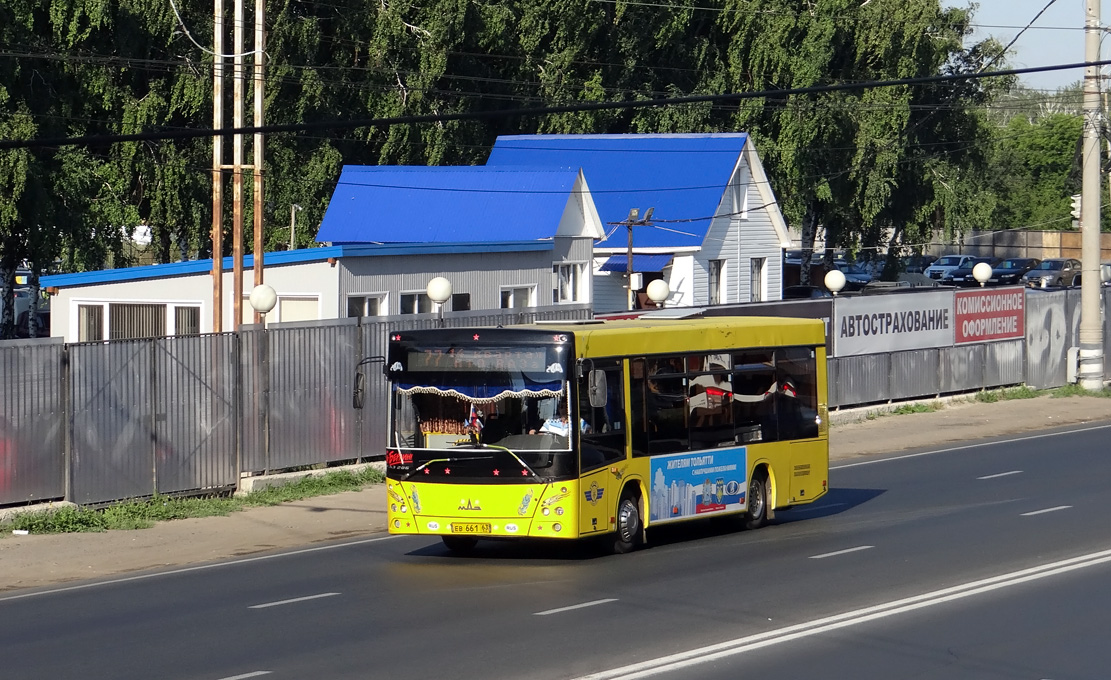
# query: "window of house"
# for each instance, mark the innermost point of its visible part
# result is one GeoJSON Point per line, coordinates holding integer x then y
{"type": "Point", "coordinates": [366, 305]}
{"type": "Point", "coordinates": [460, 302]}
{"type": "Point", "coordinates": [416, 303]}
{"type": "Point", "coordinates": [717, 269]}
{"type": "Point", "coordinates": [758, 280]}
{"type": "Point", "coordinates": [298, 309]}
{"type": "Point", "coordinates": [566, 279]}
{"type": "Point", "coordinates": [187, 320]}
{"type": "Point", "coordinates": [90, 323]}
{"type": "Point", "coordinates": [129, 320]}
{"type": "Point", "coordinates": [516, 298]}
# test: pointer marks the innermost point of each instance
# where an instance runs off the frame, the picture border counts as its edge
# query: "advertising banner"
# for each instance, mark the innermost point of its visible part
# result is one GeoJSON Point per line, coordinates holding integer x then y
{"type": "Point", "coordinates": [990, 314]}
{"type": "Point", "coordinates": [690, 484]}
{"type": "Point", "coordinates": [888, 323]}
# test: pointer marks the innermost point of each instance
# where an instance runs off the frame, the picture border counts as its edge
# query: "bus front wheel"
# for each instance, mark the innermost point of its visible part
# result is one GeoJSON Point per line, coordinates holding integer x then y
{"type": "Point", "coordinates": [757, 514]}
{"type": "Point", "coordinates": [460, 544]}
{"type": "Point", "coordinates": [628, 523]}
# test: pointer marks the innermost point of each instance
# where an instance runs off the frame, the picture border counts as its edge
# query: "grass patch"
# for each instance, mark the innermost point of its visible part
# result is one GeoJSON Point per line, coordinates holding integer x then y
{"type": "Point", "coordinates": [1008, 393]}
{"type": "Point", "coordinates": [143, 514]}
{"type": "Point", "coordinates": [1078, 391]}
{"type": "Point", "coordinates": [916, 408]}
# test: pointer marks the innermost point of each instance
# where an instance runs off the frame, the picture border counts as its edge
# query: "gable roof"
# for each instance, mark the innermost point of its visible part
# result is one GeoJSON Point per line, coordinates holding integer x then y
{"type": "Point", "coordinates": [682, 176]}
{"type": "Point", "coordinates": [420, 204]}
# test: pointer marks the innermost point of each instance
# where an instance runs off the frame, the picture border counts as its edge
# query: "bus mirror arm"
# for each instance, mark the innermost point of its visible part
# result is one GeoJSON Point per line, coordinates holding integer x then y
{"type": "Point", "coordinates": [358, 394]}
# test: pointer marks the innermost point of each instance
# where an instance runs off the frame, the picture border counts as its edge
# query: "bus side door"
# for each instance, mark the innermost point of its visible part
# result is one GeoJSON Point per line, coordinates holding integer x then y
{"type": "Point", "coordinates": [601, 449]}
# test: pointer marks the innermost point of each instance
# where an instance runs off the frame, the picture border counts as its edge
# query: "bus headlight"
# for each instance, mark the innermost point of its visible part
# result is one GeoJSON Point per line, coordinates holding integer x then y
{"type": "Point", "coordinates": [557, 527]}
{"type": "Point", "coordinates": [546, 512]}
{"type": "Point", "coordinates": [559, 511]}
{"type": "Point", "coordinates": [403, 508]}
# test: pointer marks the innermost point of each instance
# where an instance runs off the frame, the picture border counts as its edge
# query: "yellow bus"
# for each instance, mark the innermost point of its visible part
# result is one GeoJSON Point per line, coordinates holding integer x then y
{"type": "Point", "coordinates": [578, 429]}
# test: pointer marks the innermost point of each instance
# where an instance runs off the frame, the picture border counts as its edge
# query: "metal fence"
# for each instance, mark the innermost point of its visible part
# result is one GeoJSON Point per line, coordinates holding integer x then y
{"type": "Point", "coordinates": [99, 422]}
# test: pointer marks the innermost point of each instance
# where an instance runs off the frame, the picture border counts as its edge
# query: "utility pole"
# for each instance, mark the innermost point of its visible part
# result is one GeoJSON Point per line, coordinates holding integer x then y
{"type": "Point", "coordinates": [237, 166]}
{"type": "Point", "coordinates": [1091, 324]}
{"type": "Point", "coordinates": [218, 168]}
{"type": "Point", "coordinates": [633, 220]}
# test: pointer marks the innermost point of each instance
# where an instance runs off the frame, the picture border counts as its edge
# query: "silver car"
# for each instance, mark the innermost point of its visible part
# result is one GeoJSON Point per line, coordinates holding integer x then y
{"type": "Point", "coordinates": [1058, 271]}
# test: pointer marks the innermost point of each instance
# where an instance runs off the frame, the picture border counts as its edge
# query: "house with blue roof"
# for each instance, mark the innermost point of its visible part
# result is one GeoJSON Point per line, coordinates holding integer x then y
{"type": "Point", "coordinates": [716, 234]}
{"type": "Point", "coordinates": [506, 238]}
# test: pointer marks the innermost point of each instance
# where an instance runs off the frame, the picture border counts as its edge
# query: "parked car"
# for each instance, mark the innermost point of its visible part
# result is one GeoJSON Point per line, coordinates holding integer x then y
{"type": "Point", "coordinates": [1057, 271]}
{"type": "Point", "coordinates": [962, 276]}
{"type": "Point", "coordinates": [945, 264]}
{"type": "Point", "coordinates": [915, 264]}
{"type": "Point", "coordinates": [856, 276]}
{"type": "Point", "coordinates": [1009, 272]}
{"type": "Point", "coordinates": [42, 324]}
{"type": "Point", "coordinates": [1104, 275]}
{"type": "Point", "coordinates": [805, 292]}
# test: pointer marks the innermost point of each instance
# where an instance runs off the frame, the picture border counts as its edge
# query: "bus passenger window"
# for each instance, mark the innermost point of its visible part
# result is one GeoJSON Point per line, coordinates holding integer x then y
{"type": "Point", "coordinates": [754, 398]}
{"type": "Point", "coordinates": [667, 407]}
{"type": "Point", "coordinates": [797, 394]}
{"type": "Point", "coordinates": [711, 407]}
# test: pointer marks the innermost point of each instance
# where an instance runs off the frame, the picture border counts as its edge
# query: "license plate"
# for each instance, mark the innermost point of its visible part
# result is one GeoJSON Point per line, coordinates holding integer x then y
{"type": "Point", "coordinates": [470, 527]}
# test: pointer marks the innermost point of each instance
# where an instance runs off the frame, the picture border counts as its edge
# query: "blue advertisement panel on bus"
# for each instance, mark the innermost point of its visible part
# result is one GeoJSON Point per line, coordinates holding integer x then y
{"type": "Point", "coordinates": [696, 484]}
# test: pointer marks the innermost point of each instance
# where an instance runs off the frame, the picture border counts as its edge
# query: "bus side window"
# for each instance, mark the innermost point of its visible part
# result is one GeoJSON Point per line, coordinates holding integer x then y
{"type": "Point", "coordinates": [667, 415]}
{"type": "Point", "coordinates": [638, 406]}
{"type": "Point", "coordinates": [797, 393]}
{"type": "Point", "coordinates": [754, 405]}
{"type": "Point", "coordinates": [603, 436]}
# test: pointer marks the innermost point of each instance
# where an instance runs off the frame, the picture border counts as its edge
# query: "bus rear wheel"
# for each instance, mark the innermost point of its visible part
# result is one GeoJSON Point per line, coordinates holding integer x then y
{"type": "Point", "coordinates": [757, 514]}
{"type": "Point", "coordinates": [460, 544]}
{"type": "Point", "coordinates": [628, 524]}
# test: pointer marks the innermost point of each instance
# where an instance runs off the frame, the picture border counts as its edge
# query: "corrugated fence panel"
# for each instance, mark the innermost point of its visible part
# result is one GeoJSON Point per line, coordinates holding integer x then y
{"type": "Point", "coordinates": [195, 416]}
{"type": "Point", "coordinates": [962, 367]}
{"type": "Point", "coordinates": [914, 373]}
{"type": "Point", "coordinates": [1005, 363]}
{"type": "Point", "coordinates": [311, 372]}
{"type": "Point", "coordinates": [1048, 333]}
{"type": "Point", "coordinates": [32, 421]}
{"type": "Point", "coordinates": [254, 363]}
{"type": "Point", "coordinates": [110, 390]}
{"type": "Point", "coordinates": [861, 379]}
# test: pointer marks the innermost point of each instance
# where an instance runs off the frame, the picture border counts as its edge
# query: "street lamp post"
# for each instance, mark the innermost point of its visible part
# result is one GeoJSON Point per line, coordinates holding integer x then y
{"type": "Point", "coordinates": [263, 298]}
{"type": "Point", "coordinates": [835, 281]}
{"type": "Point", "coordinates": [439, 289]}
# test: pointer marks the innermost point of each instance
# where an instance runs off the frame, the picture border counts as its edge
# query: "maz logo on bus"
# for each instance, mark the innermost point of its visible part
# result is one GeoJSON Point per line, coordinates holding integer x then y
{"type": "Point", "coordinates": [395, 458]}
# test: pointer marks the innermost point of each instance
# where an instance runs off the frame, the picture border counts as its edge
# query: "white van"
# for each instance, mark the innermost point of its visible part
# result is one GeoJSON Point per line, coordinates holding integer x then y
{"type": "Point", "coordinates": [947, 263]}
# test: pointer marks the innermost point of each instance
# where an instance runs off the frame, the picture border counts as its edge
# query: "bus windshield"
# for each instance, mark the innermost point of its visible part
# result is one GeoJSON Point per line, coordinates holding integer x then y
{"type": "Point", "coordinates": [480, 414]}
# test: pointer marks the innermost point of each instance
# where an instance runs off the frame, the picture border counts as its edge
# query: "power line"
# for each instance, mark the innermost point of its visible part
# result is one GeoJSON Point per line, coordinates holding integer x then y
{"type": "Point", "coordinates": [94, 140]}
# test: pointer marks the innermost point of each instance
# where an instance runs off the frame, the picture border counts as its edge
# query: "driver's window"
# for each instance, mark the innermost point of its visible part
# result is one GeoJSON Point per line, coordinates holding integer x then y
{"type": "Point", "coordinates": [603, 428]}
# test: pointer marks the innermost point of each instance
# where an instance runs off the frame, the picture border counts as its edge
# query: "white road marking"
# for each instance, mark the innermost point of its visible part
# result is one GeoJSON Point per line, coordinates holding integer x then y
{"type": "Point", "coordinates": [841, 552]}
{"type": "Point", "coordinates": [693, 657]}
{"type": "Point", "coordinates": [1001, 474]}
{"type": "Point", "coordinates": [1041, 512]}
{"type": "Point", "coordinates": [200, 567]}
{"type": "Point", "coordinates": [291, 601]}
{"type": "Point", "coordinates": [253, 674]}
{"type": "Point", "coordinates": [969, 446]}
{"type": "Point", "coordinates": [575, 606]}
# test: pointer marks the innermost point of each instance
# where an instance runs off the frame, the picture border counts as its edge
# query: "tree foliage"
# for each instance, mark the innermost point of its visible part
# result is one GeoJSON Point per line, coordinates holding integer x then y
{"type": "Point", "coordinates": [854, 163]}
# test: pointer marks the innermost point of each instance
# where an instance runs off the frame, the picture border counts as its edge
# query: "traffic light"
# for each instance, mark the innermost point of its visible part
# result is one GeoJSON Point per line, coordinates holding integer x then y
{"type": "Point", "coordinates": [1076, 206]}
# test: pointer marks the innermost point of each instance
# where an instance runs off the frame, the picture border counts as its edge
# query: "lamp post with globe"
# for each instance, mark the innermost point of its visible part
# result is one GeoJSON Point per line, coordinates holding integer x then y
{"type": "Point", "coordinates": [658, 291]}
{"type": "Point", "coordinates": [981, 272]}
{"type": "Point", "coordinates": [835, 281]}
{"type": "Point", "coordinates": [439, 290]}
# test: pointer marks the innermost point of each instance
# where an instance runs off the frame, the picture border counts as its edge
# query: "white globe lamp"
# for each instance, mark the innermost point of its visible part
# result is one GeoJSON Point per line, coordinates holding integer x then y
{"type": "Point", "coordinates": [835, 281]}
{"type": "Point", "coordinates": [263, 298]}
{"type": "Point", "coordinates": [439, 290]}
{"type": "Point", "coordinates": [981, 272]}
{"type": "Point", "coordinates": [658, 291]}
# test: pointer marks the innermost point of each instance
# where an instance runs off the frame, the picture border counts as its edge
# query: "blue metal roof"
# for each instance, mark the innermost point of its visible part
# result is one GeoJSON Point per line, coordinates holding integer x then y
{"type": "Point", "coordinates": [159, 271]}
{"type": "Point", "coordinates": [641, 263]}
{"type": "Point", "coordinates": [682, 176]}
{"type": "Point", "coordinates": [418, 204]}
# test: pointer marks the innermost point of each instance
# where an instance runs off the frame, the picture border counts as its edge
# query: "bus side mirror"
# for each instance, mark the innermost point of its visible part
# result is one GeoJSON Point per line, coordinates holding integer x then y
{"type": "Point", "coordinates": [596, 388]}
{"type": "Point", "coordinates": [359, 393]}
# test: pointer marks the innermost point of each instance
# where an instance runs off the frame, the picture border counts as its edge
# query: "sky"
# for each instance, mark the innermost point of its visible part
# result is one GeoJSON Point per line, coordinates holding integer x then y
{"type": "Point", "coordinates": [1057, 37]}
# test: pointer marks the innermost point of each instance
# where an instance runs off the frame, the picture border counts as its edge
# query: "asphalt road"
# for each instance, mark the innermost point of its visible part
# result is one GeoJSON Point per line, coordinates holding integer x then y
{"type": "Point", "coordinates": [924, 564]}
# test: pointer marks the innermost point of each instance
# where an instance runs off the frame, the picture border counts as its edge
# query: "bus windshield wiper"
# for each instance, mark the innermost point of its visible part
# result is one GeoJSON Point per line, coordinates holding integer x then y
{"type": "Point", "coordinates": [450, 459]}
